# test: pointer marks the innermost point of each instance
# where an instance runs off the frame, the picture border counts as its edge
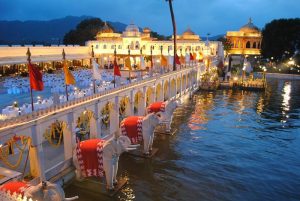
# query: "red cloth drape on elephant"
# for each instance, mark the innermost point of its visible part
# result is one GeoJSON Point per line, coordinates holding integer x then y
{"type": "Point", "coordinates": [132, 128]}
{"type": "Point", "coordinates": [90, 157]}
{"type": "Point", "coordinates": [15, 187]}
{"type": "Point", "coordinates": [157, 107]}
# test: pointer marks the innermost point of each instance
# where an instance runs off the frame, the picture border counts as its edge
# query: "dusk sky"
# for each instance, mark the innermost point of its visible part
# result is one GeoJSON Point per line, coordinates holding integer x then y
{"type": "Point", "coordinates": [213, 16]}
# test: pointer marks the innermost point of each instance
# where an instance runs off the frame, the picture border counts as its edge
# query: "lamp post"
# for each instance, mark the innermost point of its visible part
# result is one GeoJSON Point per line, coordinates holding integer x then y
{"type": "Point", "coordinates": [151, 59]}
{"type": "Point", "coordinates": [115, 55]}
{"type": "Point", "coordinates": [64, 60]}
{"type": "Point", "coordinates": [174, 32]}
{"type": "Point", "coordinates": [28, 53]}
{"type": "Point", "coordinates": [94, 80]}
{"type": "Point", "coordinates": [130, 64]}
{"type": "Point", "coordinates": [161, 55]}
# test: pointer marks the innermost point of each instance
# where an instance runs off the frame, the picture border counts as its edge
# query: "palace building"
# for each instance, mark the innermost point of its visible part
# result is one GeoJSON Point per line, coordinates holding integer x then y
{"type": "Point", "coordinates": [246, 41]}
{"type": "Point", "coordinates": [136, 43]}
{"type": "Point", "coordinates": [132, 41]}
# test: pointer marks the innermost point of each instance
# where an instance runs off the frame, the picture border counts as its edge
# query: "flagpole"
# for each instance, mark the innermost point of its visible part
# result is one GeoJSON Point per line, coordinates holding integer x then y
{"type": "Point", "coordinates": [161, 54]}
{"type": "Point", "coordinates": [115, 54]}
{"type": "Point", "coordinates": [64, 60]}
{"type": "Point", "coordinates": [94, 80]}
{"type": "Point", "coordinates": [130, 64]}
{"type": "Point", "coordinates": [31, 95]}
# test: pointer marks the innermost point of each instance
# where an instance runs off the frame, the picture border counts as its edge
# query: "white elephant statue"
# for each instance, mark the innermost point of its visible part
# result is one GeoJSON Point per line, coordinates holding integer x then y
{"type": "Point", "coordinates": [96, 157]}
{"type": "Point", "coordinates": [139, 128]}
{"type": "Point", "coordinates": [165, 111]}
{"type": "Point", "coordinates": [46, 191]}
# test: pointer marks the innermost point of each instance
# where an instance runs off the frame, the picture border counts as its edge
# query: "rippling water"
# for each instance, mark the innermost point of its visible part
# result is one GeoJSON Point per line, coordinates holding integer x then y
{"type": "Point", "coordinates": [230, 145]}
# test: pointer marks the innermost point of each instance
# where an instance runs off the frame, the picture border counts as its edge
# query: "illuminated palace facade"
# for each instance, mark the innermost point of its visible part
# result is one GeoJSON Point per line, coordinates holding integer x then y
{"type": "Point", "coordinates": [137, 44]}
{"type": "Point", "coordinates": [246, 41]}
{"type": "Point", "coordinates": [13, 60]}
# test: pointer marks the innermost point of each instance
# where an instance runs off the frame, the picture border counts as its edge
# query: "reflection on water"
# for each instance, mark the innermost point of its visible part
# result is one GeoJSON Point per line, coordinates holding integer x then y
{"type": "Point", "coordinates": [230, 145]}
{"type": "Point", "coordinates": [286, 92]}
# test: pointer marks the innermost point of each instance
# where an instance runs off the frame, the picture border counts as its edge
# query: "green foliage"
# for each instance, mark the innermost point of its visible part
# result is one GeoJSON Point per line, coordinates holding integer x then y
{"type": "Point", "coordinates": [158, 36]}
{"type": "Point", "coordinates": [226, 44]}
{"type": "Point", "coordinates": [281, 38]}
{"type": "Point", "coordinates": [85, 30]}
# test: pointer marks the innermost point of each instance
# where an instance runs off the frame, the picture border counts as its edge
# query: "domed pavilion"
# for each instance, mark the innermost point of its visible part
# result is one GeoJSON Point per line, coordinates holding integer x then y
{"type": "Point", "coordinates": [246, 41]}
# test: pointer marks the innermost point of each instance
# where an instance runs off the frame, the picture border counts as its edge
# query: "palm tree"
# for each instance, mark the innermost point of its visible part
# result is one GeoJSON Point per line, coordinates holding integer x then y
{"type": "Point", "coordinates": [174, 32]}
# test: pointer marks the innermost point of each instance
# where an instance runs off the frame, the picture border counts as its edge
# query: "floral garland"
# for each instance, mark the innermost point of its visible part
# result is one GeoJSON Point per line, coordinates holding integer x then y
{"type": "Point", "coordinates": [55, 131]}
{"type": "Point", "coordinates": [105, 113]}
{"type": "Point", "coordinates": [5, 151]}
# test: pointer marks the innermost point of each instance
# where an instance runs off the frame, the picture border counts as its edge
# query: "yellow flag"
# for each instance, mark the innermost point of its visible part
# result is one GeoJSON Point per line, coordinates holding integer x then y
{"type": "Point", "coordinates": [128, 63]}
{"type": "Point", "coordinates": [182, 59]}
{"type": "Point", "coordinates": [195, 55]}
{"type": "Point", "coordinates": [69, 78]}
{"type": "Point", "coordinates": [163, 61]}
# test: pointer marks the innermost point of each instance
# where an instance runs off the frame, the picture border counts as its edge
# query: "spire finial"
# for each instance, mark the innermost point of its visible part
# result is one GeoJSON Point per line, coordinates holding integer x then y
{"type": "Point", "coordinates": [28, 53]}
{"type": "Point", "coordinates": [63, 54]}
{"type": "Point", "coordinates": [250, 20]}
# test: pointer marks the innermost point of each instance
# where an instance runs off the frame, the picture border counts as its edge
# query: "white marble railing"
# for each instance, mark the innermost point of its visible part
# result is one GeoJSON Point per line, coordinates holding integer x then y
{"type": "Point", "coordinates": [24, 119]}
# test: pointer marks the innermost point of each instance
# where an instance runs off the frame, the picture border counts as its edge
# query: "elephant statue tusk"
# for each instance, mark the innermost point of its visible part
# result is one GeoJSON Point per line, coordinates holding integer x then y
{"type": "Point", "coordinates": [134, 145]}
{"type": "Point", "coordinates": [72, 198]}
{"type": "Point", "coordinates": [130, 149]}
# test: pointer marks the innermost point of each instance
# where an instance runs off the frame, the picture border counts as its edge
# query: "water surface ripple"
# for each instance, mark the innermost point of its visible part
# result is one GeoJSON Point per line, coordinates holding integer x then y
{"type": "Point", "coordinates": [230, 145]}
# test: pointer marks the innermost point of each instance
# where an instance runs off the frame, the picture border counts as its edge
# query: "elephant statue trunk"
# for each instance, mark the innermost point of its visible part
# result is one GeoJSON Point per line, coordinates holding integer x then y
{"type": "Point", "coordinates": [165, 111]}
{"type": "Point", "coordinates": [139, 129]}
{"type": "Point", "coordinates": [105, 157]}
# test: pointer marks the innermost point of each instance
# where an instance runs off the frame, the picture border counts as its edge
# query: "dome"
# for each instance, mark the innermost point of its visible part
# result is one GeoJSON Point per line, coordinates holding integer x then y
{"type": "Point", "coordinates": [249, 27]}
{"type": "Point", "coordinates": [106, 29]}
{"type": "Point", "coordinates": [132, 28]}
{"type": "Point", "coordinates": [188, 32]}
{"type": "Point", "coordinates": [147, 30]}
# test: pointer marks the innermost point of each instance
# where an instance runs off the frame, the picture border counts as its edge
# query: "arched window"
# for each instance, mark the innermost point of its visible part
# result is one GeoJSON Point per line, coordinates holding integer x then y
{"type": "Point", "coordinates": [258, 45]}
{"type": "Point", "coordinates": [248, 44]}
{"type": "Point", "coordinates": [254, 45]}
{"type": "Point", "coordinates": [104, 46]}
{"type": "Point", "coordinates": [137, 45]}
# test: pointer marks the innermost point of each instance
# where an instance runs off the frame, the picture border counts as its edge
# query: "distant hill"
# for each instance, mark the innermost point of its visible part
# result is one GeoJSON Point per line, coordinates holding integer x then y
{"type": "Point", "coordinates": [42, 32]}
{"type": "Point", "coordinates": [213, 38]}
{"type": "Point", "coordinates": [47, 32]}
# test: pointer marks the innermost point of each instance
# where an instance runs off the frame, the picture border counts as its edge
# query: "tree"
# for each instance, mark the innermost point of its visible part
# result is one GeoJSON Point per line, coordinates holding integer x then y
{"type": "Point", "coordinates": [227, 45]}
{"type": "Point", "coordinates": [85, 30]}
{"type": "Point", "coordinates": [174, 31]}
{"type": "Point", "coordinates": [281, 38]}
{"type": "Point", "coordinates": [158, 36]}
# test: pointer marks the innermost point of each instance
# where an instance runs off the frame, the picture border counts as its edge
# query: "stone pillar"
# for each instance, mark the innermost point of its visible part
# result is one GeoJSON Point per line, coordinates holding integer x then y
{"type": "Point", "coordinates": [180, 84]}
{"type": "Point", "coordinates": [98, 120]}
{"type": "Point", "coordinates": [36, 156]}
{"type": "Point", "coordinates": [93, 128]}
{"type": "Point", "coordinates": [71, 124]}
{"type": "Point", "coordinates": [114, 116]}
{"type": "Point", "coordinates": [169, 91]}
{"type": "Point", "coordinates": [131, 104]}
{"type": "Point", "coordinates": [142, 109]}
{"type": "Point", "coordinates": [68, 139]}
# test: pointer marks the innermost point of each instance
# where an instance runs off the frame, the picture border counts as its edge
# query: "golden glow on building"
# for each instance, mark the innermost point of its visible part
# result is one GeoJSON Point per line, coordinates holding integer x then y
{"type": "Point", "coordinates": [138, 43]}
{"type": "Point", "coordinates": [246, 41]}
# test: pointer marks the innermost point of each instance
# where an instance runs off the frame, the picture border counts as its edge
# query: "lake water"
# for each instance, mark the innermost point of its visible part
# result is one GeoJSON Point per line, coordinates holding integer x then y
{"type": "Point", "coordinates": [230, 145]}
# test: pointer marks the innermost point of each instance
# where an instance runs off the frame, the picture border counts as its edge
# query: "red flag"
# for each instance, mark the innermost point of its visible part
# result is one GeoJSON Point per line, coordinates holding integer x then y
{"type": "Point", "coordinates": [35, 77]}
{"type": "Point", "coordinates": [191, 57]}
{"type": "Point", "coordinates": [116, 69]}
{"type": "Point", "coordinates": [177, 61]}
